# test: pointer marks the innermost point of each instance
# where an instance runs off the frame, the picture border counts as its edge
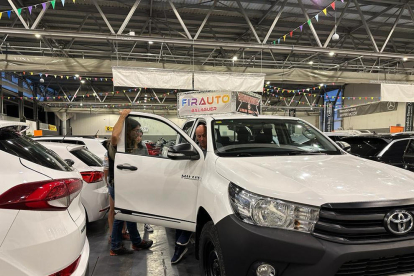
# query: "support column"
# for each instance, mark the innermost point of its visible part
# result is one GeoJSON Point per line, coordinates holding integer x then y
{"type": "Point", "coordinates": [63, 120]}
{"type": "Point", "coordinates": [35, 105]}
{"type": "Point", "coordinates": [20, 101]}
{"type": "Point", "coordinates": [1, 100]}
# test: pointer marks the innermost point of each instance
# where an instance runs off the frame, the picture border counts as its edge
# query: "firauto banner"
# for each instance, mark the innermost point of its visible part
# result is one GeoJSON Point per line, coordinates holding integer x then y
{"type": "Point", "coordinates": [208, 103]}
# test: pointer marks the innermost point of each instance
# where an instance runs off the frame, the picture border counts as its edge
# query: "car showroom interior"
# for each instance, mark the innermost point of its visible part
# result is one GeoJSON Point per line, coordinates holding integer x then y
{"type": "Point", "coordinates": [207, 137]}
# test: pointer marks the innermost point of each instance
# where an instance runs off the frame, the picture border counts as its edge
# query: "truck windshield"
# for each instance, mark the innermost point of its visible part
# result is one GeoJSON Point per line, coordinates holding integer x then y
{"type": "Point", "coordinates": [268, 137]}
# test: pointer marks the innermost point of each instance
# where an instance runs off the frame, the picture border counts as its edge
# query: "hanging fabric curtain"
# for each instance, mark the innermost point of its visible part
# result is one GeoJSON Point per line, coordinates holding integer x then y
{"type": "Point", "coordinates": [397, 93]}
{"type": "Point", "coordinates": [216, 81]}
{"type": "Point", "coordinates": [154, 78]}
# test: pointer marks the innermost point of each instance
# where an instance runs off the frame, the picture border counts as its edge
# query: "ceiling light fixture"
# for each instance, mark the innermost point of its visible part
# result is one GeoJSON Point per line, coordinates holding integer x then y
{"type": "Point", "coordinates": [82, 81]}
{"type": "Point", "coordinates": [331, 54]}
{"type": "Point", "coordinates": [268, 82]}
{"type": "Point", "coordinates": [310, 62]}
{"type": "Point", "coordinates": [234, 58]}
{"type": "Point", "coordinates": [150, 42]}
{"type": "Point", "coordinates": [405, 58]}
{"type": "Point", "coordinates": [38, 35]}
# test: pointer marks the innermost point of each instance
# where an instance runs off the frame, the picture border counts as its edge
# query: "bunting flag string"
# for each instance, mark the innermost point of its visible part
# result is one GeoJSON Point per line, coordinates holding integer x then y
{"type": "Point", "coordinates": [30, 8]}
{"type": "Point", "coordinates": [309, 22]}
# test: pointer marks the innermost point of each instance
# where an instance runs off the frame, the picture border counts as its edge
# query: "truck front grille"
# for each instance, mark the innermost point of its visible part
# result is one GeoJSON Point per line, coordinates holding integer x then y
{"type": "Point", "coordinates": [394, 265]}
{"type": "Point", "coordinates": [358, 225]}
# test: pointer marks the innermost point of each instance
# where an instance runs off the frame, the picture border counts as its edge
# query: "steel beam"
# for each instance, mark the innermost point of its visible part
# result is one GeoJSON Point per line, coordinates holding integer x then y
{"type": "Point", "coordinates": [197, 43]}
{"type": "Point", "coordinates": [275, 21]}
{"type": "Point", "coordinates": [247, 20]}
{"type": "Point", "coordinates": [103, 16]}
{"type": "Point", "coordinates": [180, 20]}
{"type": "Point", "coordinates": [79, 29]}
{"type": "Point", "coordinates": [96, 94]}
{"type": "Point", "coordinates": [18, 15]}
{"type": "Point", "coordinates": [364, 22]}
{"type": "Point", "coordinates": [129, 16]}
{"type": "Point", "coordinates": [205, 19]}
{"type": "Point", "coordinates": [337, 23]}
{"type": "Point", "coordinates": [76, 93]}
{"type": "Point", "coordinates": [315, 35]}
{"type": "Point", "coordinates": [392, 29]}
{"type": "Point", "coordinates": [40, 16]}
{"type": "Point", "coordinates": [410, 10]}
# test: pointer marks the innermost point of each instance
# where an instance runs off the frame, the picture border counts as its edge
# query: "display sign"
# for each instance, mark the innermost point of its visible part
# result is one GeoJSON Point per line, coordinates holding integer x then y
{"type": "Point", "coordinates": [409, 117]}
{"type": "Point", "coordinates": [366, 109]}
{"type": "Point", "coordinates": [209, 103]}
{"type": "Point", "coordinates": [109, 128]}
{"type": "Point", "coordinates": [329, 116]}
{"type": "Point", "coordinates": [247, 103]}
{"type": "Point", "coordinates": [396, 129]}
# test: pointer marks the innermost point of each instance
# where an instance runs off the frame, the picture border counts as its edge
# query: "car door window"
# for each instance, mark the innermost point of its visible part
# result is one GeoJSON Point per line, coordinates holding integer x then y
{"type": "Point", "coordinates": [396, 151]}
{"type": "Point", "coordinates": [410, 148]}
{"type": "Point", "coordinates": [159, 137]}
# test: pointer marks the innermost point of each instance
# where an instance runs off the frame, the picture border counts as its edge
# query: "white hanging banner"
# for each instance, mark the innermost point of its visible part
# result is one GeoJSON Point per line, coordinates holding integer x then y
{"type": "Point", "coordinates": [150, 77]}
{"type": "Point", "coordinates": [397, 93]}
{"type": "Point", "coordinates": [214, 81]}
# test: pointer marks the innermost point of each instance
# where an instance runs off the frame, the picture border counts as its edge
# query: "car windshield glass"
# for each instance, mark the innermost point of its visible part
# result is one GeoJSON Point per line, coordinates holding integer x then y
{"type": "Point", "coordinates": [87, 157]}
{"type": "Point", "coordinates": [267, 137]}
{"type": "Point", "coordinates": [15, 143]}
{"type": "Point", "coordinates": [366, 146]}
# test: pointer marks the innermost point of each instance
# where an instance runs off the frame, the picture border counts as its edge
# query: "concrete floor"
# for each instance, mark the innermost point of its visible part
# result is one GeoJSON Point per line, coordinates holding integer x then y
{"type": "Point", "coordinates": [153, 262]}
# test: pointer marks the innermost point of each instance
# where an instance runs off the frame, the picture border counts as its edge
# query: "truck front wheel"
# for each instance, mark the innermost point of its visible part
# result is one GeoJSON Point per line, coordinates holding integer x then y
{"type": "Point", "coordinates": [211, 257]}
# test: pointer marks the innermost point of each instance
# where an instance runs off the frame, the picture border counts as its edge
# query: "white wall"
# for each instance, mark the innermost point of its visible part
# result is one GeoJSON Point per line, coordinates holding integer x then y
{"type": "Point", "coordinates": [377, 121]}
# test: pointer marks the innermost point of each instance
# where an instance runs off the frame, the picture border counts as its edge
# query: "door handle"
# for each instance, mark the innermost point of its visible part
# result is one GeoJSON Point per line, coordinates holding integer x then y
{"type": "Point", "coordinates": [125, 167]}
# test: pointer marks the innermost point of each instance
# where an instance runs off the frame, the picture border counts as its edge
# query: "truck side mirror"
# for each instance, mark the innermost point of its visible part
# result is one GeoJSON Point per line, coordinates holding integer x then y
{"type": "Point", "coordinates": [344, 146]}
{"type": "Point", "coordinates": [183, 151]}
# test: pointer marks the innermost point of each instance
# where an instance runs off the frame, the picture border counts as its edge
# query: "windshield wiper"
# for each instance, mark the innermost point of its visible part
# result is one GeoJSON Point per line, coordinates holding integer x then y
{"type": "Point", "coordinates": [304, 153]}
{"type": "Point", "coordinates": [244, 154]}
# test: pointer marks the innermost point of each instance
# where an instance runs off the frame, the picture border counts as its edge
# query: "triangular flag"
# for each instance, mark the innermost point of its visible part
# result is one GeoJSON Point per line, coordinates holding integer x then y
{"type": "Point", "coordinates": [278, 41]}
{"type": "Point", "coordinates": [1, 14]}
{"type": "Point", "coordinates": [63, 2]}
{"type": "Point", "coordinates": [74, 1]}
{"type": "Point", "coordinates": [291, 33]}
{"type": "Point", "coordinates": [309, 22]}
{"type": "Point", "coordinates": [284, 37]}
{"type": "Point", "coordinates": [8, 14]}
{"type": "Point", "coordinates": [53, 2]}
{"type": "Point", "coordinates": [301, 27]}
{"type": "Point", "coordinates": [19, 11]}
{"type": "Point", "coordinates": [30, 9]}
{"type": "Point", "coordinates": [44, 5]}
{"type": "Point", "coordinates": [333, 5]}
{"type": "Point", "coordinates": [324, 11]}
{"type": "Point", "coordinates": [317, 17]}
{"type": "Point", "coordinates": [46, 75]}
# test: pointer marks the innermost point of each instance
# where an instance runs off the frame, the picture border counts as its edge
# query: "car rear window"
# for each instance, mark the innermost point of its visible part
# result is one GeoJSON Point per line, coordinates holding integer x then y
{"type": "Point", "coordinates": [88, 157]}
{"type": "Point", "coordinates": [15, 143]}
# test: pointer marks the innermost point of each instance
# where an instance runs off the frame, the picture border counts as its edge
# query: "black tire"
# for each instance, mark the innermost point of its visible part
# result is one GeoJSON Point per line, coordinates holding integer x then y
{"type": "Point", "coordinates": [211, 257]}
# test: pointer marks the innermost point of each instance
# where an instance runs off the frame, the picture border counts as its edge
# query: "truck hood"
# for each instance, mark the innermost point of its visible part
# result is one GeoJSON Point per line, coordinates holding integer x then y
{"type": "Point", "coordinates": [318, 179]}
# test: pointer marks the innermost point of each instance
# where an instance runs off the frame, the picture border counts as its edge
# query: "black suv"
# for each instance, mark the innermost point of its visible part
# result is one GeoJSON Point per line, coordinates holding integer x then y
{"type": "Point", "coordinates": [394, 149]}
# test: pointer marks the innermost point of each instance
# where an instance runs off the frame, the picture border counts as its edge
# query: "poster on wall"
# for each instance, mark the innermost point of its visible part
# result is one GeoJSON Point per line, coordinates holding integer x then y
{"type": "Point", "coordinates": [208, 103]}
{"type": "Point", "coordinates": [365, 109]}
{"type": "Point", "coordinates": [329, 116]}
{"type": "Point", "coordinates": [409, 117]}
{"type": "Point", "coordinates": [248, 103]}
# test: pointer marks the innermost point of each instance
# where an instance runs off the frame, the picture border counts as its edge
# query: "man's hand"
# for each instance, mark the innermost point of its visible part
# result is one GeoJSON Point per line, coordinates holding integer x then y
{"type": "Point", "coordinates": [124, 113]}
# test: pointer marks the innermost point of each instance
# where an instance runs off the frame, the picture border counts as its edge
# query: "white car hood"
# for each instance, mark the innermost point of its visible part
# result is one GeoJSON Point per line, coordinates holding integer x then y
{"type": "Point", "coordinates": [318, 179]}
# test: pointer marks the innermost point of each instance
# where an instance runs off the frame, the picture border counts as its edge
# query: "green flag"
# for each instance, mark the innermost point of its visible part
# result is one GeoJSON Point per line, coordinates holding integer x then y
{"type": "Point", "coordinates": [53, 2]}
{"type": "Point", "coordinates": [19, 11]}
{"type": "Point", "coordinates": [309, 22]}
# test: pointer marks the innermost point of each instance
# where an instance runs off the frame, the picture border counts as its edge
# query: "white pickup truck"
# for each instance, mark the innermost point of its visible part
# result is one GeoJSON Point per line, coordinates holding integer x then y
{"type": "Point", "coordinates": [271, 196]}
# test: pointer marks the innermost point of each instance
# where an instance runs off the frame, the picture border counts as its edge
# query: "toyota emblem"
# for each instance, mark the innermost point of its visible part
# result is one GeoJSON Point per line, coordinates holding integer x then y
{"type": "Point", "coordinates": [399, 222]}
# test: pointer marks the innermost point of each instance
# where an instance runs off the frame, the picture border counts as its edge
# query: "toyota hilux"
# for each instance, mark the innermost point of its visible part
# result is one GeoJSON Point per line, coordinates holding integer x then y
{"type": "Point", "coordinates": [270, 196]}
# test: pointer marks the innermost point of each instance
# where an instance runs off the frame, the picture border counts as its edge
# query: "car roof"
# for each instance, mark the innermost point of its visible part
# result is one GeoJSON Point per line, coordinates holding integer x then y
{"type": "Point", "coordinates": [240, 116]}
{"type": "Point", "coordinates": [69, 147]}
{"type": "Point", "coordinates": [66, 137]}
{"type": "Point", "coordinates": [4, 123]}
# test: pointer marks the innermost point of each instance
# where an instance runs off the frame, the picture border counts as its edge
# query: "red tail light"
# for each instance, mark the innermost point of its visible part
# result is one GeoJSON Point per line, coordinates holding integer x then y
{"type": "Point", "coordinates": [47, 195]}
{"type": "Point", "coordinates": [92, 177]}
{"type": "Point", "coordinates": [67, 271]}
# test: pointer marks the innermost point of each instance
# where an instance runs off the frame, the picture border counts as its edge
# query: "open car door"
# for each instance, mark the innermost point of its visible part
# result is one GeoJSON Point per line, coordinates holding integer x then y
{"type": "Point", "coordinates": [156, 189]}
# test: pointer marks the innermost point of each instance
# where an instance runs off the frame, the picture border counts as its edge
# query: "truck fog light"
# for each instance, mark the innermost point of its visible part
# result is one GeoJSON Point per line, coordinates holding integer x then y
{"type": "Point", "coordinates": [265, 270]}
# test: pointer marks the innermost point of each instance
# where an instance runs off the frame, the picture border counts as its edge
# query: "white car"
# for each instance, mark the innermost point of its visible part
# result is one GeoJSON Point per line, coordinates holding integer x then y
{"type": "Point", "coordinates": [92, 144]}
{"type": "Point", "coordinates": [42, 229]}
{"type": "Point", "coordinates": [94, 196]}
{"type": "Point", "coordinates": [265, 206]}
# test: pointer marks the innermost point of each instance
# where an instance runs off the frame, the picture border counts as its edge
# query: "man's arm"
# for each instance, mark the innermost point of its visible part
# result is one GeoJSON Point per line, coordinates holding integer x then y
{"type": "Point", "coordinates": [116, 132]}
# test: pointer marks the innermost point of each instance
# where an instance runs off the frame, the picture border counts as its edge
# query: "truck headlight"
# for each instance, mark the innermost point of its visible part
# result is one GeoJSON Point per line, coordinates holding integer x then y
{"type": "Point", "coordinates": [270, 212]}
